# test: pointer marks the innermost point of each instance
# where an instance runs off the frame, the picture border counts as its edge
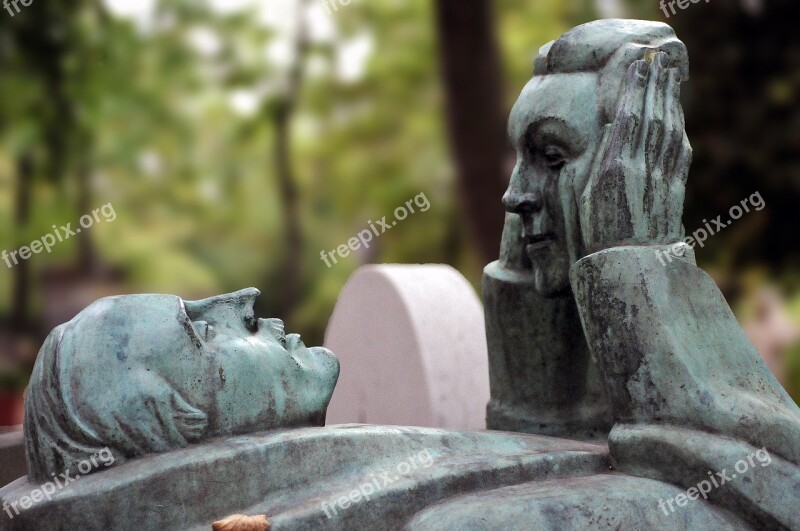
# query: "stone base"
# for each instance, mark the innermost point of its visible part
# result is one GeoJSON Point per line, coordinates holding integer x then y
{"type": "Point", "coordinates": [602, 501]}
{"type": "Point", "coordinates": [584, 423]}
{"type": "Point", "coordinates": [12, 454]}
{"type": "Point", "coordinates": [345, 477]}
{"type": "Point", "coordinates": [541, 375]}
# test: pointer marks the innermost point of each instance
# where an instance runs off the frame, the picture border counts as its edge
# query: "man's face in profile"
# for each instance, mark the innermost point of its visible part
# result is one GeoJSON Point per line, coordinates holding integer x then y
{"type": "Point", "coordinates": [554, 128]}
{"type": "Point", "coordinates": [262, 377]}
{"type": "Point", "coordinates": [242, 373]}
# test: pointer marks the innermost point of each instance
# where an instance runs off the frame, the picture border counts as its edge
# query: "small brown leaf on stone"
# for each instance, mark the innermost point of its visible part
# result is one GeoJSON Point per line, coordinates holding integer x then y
{"type": "Point", "coordinates": [241, 522]}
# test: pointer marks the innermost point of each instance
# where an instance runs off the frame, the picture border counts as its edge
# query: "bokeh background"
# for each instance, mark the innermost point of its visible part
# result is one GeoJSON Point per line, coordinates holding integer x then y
{"type": "Point", "coordinates": [238, 139]}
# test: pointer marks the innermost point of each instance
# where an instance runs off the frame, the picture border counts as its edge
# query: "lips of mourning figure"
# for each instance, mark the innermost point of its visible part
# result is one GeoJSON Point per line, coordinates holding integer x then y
{"type": "Point", "coordinates": [533, 236]}
{"type": "Point", "coordinates": [538, 240]}
{"type": "Point", "coordinates": [530, 206]}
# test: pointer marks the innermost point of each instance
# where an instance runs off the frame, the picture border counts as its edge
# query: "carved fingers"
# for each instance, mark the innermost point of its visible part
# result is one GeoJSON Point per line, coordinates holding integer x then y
{"type": "Point", "coordinates": [674, 159]}
{"type": "Point", "coordinates": [628, 123]}
{"type": "Point", "coordinates": [636, 190]}
{"type": "Point", "coordinates": [655, 110]}
{"type": "Point", "coordinates": [677, 192]}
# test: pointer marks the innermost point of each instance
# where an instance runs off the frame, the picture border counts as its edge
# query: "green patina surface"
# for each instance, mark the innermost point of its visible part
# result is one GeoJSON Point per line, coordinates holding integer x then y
{"type": "Point", "coordinates": [598, 328]}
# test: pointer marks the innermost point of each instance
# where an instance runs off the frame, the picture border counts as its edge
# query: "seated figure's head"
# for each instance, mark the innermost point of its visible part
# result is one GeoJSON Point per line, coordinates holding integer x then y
{"type": "Point", "coordinates": [556, 126]}
{"type": "Point", "coordinates": [139, 374]}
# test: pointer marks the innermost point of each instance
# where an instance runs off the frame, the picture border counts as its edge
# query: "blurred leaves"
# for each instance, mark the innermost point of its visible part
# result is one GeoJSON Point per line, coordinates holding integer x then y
{"type": "Point", "coordinates": [171, 122]}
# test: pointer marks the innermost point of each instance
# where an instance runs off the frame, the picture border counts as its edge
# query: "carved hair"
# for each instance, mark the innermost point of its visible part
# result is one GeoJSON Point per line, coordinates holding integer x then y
{"type": "Point", "coordinates": [609, 47]}
{"type": "Point", "coordinates": [132, 413]}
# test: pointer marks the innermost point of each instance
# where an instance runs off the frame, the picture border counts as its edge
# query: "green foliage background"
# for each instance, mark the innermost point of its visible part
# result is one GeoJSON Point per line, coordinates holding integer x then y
{"type": "Point", "coordinates": [144, 120]}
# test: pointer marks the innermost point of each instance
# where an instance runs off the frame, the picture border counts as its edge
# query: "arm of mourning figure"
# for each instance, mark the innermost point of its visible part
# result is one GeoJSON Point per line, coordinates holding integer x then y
{"type": "Point", "coordinates": [668, 347]}
{"type": "Point", "coordinates": [688, 391]}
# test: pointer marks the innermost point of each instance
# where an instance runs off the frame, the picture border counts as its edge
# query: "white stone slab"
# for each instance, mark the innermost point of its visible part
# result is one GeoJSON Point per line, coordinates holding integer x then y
{"type": "Point", "coordinates": [412, 346]}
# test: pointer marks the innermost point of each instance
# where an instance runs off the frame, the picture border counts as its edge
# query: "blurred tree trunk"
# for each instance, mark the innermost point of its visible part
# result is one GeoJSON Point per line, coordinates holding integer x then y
{"type": "Point", "coordinates": [20, 298]}
{"type": "Point", "coordinates": [742, 108]}
{"type": "Point", "coordinates": [475, 115]}
{"type": "Point", "coordinates": [86, 253]}
{"type": "Point", "coordinates": [291, 270]}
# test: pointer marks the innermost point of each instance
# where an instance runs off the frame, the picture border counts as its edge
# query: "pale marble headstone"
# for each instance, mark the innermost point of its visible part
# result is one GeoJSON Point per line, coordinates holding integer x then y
{"type": "Point", "coordinates": [412, 346]}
